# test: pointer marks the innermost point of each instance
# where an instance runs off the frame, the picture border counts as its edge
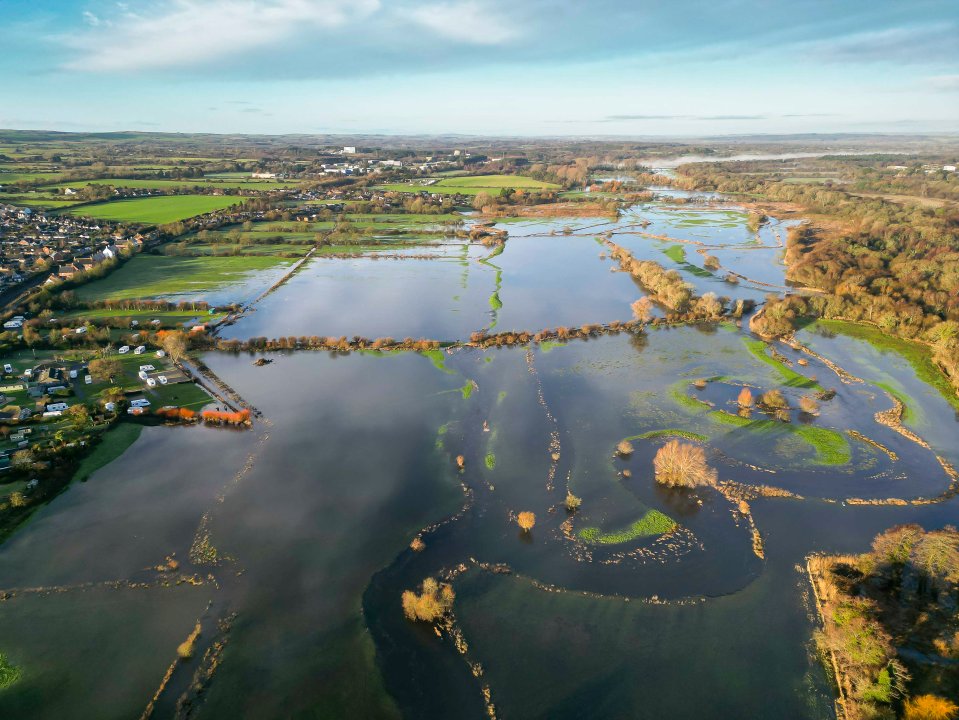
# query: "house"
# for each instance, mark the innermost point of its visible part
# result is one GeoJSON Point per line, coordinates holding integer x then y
{"type": "Point", "coordinates": [13, 324]}
{"type": "Point", "coordinates": [263, 175]}
{"type": "Point", "coordinates": [124, 349]}
{"type": "Point", "coordinates": [57, 407]}
{"type": "Point", "coordinates": [139, 349]}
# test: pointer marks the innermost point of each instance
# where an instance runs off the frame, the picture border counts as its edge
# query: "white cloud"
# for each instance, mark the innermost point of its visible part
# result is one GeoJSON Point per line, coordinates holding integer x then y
{"type": "Point", "coordinates": [467, 21]}
{"type": "Point", "coordinates": [188, 32]}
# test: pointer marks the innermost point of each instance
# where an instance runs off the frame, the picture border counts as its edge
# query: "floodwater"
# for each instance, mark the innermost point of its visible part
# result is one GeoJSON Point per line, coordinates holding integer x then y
{"type": "Point", "coordinates": [289, 543]}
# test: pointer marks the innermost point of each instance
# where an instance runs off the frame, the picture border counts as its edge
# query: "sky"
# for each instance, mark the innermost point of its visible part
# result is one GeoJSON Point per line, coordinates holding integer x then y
{"type": "Point", "coordinates": [481, 67]}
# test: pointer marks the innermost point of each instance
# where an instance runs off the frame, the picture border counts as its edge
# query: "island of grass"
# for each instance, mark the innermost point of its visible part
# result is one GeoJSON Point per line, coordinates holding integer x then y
{"type": "Point", "coordinates": [651, 524]}
{"type": "Point", "coordinates": [155, 210]}
{"type": "Point", "coordinates": [150, 276]}
{"type": "Point", "coordinates": [831, 446]}
{"type": "Point", "coordinates": [790, 377]}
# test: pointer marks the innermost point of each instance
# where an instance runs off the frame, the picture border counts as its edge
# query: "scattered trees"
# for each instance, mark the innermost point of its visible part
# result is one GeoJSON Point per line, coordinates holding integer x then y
{"type": "Point", "coordinates": [929, 707]}
{"type": "Point", "coordinates": [105, 369]}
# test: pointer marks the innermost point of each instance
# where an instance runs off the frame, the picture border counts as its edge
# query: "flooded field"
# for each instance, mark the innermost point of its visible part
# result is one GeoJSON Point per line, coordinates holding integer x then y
{"type": "Point", "coordinates": [288, 545]}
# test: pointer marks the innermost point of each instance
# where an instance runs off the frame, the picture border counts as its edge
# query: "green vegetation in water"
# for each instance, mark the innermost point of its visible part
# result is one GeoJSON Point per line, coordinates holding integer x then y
{"type": "Point", "coordinates": [916, 354]}
{"type": "Point", "coordinates": [145, 276]}
{"type": "Point", "coordinates": [678, 393]}
{"type": "Point", "coordinates": [114, 443]}
{"type": "Point", "coordinates": [440, 434]}
{"type": "Point", "coordinates": [494, 302]}
{"type": "Point", "coordinates": [548, 345]}
{"type": "Point", "coordinates": [467, 389]}
{"type": "Point", "coordinates": [669, 432]}
{"type": "Point", "coordinates": [501, 397]}
{"type": "Point", "coordinates": [831, 447]}
{"type": "Point", "coordinates": [490, 461]}
{"type": "Point", "coordinates": [790, 377]}
{"type": "Point", "coordinates": [9, 673]}
{"type": "Point", "coordinates": [438, 358]}
{"type": "Point", "coordinates": [652, 523]}
{"type": "Point", "coordinates": [676, 253]}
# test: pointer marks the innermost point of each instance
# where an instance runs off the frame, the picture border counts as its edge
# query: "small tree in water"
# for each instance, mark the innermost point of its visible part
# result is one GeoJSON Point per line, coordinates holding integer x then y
{"type": "Point", "coordinates": [431, 604]}
{"type": "Point", "coordinates": [573, 502]}
{"type": "Point", "coordinates": [745, 399]}
{"type": "Point", "coordinates": [683, 465]}
{"type": "Point", "coordinates": [526, 520]}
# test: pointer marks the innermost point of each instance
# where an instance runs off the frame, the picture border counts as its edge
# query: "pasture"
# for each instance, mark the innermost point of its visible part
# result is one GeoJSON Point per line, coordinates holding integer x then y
{"type": "Point", "coordinates": [473, 185]}
{"type": "Point", "coordinates": [156, 210]}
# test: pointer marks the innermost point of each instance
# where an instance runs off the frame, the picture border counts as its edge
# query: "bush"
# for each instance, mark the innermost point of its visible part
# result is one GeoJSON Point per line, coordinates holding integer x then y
{"type": "Point", "coordinates": [572, 502]}
{"type": "Point", "coordinates": [431, 604]}
{"type": "Point", "coordinates": [745, 398]}
{"type": "Point", "coordinates": [624, 448]}
{"type": "Point", "coordinates": [775, 400]}
{"type": "Point", "coordinates": [526, 520]}
{"type": "Point", "coordinates": [929, 707]}
{"type": "Point", "coordinates": [683, 465]}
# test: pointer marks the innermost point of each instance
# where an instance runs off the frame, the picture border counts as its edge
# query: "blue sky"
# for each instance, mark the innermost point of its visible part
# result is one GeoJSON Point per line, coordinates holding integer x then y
{"type": "Point", "coordinates": [497, 67]}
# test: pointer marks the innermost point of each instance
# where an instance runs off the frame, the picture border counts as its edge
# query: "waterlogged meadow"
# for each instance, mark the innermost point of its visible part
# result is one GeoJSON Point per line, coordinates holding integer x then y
{"type": "Point", "coordinates": [261, 573]}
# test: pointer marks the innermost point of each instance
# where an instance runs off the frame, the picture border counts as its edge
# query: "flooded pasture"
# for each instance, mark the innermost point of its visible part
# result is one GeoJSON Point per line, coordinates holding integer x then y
{"type": "Point", "coordinates": [288, 545]}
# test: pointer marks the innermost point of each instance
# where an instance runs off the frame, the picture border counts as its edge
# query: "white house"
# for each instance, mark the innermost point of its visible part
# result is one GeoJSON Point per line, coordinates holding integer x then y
{"type": "Point", "coordinates": [139, 349]}
{"type": "Point", "coordinates": [124, 350]}
{"type": "Point", "coordinates": [57, 407]}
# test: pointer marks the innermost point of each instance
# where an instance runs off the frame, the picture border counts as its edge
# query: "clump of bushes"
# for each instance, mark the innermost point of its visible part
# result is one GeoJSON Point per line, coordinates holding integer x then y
{"type": "Point", "coordinates": [683, 465]}
{"type": "Point", "coordinates": [429, 605]}
{"type": "Point", "coordinates": [624, 448]}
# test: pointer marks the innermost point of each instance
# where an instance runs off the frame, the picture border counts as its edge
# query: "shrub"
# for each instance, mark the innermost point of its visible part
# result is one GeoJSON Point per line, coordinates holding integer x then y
{"type": "Point", "coordinates": [808, 404]}
{"type": "Point", "coordinates": [417, 544]}
{"type": "Point", "coordinates": [774, 399]}
{"type": "Point", "coordinates": [929, 707]}
{"type": "Point", "coordinates": [683, 465]}
{"type": "Point", "coordinates": [624, 448]}
{"type": "Point", "coordinates": [526, 520]}
{"type": "Point", "coordinates": [431, 604]}
{"type": "Point", "coordinates": [745, 398]}
{"type": "Point", "coordinates": [572, 502]}
{"type": "Point", "coordinates": [186, 649]}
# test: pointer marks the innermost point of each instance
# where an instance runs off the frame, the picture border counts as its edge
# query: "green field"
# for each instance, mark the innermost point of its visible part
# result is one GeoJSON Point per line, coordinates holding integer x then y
{"type": "Point", "coordinates": [162, 183]}
{"type": "Point", "coordinates": [113, 444]}
{"type": "Point", "coordinates": [156, 210]}
{"type": "Point", "coordinates": [167, 318]}
{"type": "Point", "coordinates": [146, 276]}
{"type": "Point", "coordinates": [473, 185]}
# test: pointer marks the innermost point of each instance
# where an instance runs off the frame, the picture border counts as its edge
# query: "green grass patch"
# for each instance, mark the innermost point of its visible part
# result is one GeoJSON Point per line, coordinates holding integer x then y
{"type": "Point", "coordinates": [831, 447]}
{"type": "Point", "coordinates": [163, 183]}
{"type": "Point", "coordinates": [669, 432]}
{"type": "Point", "coordinates": [9, 673]}
{"type": "Point", "coordinates": [919, 356]}
{"type": "Point", "coordinates": [676, 253]}
{"type": "Point", "coordinates": [652, 523]}
{"type": "Point", "coordinates": [678, 393]}
{"type": "Point", "coordinates": [185, 394]}
{"type": "Point", "coordinates": [113, 444]}
{"type": "Point", "coordinates": [155, 210]}
{"type": "Point", "coordinates": [490, 461]}
{"type": "Point", "coordinates": [467, 389]}
{"type": "Point", "coordinates": [790, 377]}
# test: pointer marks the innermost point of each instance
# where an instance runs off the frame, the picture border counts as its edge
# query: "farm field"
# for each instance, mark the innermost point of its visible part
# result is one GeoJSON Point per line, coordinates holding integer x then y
{"type": "Point", "coordinates": [472, 185]}
{"type": "Point", "coordinates": [163, 183]}
{"type": "Point", "coordinates": [156, 210]}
